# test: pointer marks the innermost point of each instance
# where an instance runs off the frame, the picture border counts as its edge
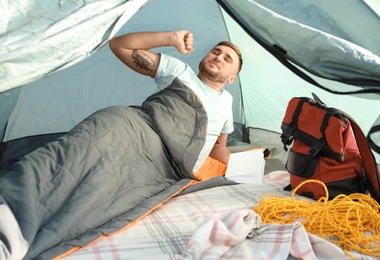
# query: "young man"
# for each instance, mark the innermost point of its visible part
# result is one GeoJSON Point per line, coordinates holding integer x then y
{"type": "Point", "coordinates": [219, 67]}
{"type": "Point", "coordinates": [121, 162]}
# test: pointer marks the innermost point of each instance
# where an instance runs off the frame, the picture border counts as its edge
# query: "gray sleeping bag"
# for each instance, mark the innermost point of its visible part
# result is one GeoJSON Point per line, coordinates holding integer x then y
{"type": "Point", "coordinates": [109, 170]}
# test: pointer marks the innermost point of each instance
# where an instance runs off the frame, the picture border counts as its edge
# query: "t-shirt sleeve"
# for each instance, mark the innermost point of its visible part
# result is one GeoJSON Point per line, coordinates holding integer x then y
{"type": "Point", "coordinates": [168, 69]}
{"type": "Point", "coordinates": [229, 127]}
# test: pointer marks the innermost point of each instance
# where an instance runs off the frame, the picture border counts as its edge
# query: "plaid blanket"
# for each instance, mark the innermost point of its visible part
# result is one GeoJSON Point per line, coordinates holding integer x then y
{"type": "Point", "coordinates": [215, 223]}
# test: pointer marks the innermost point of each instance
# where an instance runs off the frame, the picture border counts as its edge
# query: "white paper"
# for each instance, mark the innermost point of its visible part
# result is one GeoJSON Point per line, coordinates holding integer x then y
{"type": "Point", "coordinates": [246, 167]}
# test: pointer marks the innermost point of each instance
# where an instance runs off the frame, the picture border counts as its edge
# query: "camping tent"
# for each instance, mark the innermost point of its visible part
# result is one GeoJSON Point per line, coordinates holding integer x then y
{"type": "Point", "coordinates": [56, 67]}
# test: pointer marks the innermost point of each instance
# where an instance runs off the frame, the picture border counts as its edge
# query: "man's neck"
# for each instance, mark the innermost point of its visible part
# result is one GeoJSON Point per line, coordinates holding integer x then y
{"type": "Point", "coordinates": [212, 84]}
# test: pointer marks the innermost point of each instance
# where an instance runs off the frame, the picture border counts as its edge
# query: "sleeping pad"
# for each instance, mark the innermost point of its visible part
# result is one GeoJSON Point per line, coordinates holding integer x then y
{"type": "Point", "coordinates": [112, 168]}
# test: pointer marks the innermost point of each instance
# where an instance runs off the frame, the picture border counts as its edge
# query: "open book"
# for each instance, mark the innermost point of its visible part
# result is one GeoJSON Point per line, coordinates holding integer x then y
{"type": "Point", "coordinates": [246, 167]}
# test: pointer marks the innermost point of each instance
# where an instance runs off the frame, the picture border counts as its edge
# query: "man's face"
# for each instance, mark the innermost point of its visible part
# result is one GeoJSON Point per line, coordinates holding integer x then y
{"type": "Point", "coordinates": [221, 64]}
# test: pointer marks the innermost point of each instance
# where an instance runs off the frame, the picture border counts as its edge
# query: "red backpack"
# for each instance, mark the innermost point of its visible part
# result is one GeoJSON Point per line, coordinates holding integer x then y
{"type": "Point", "coordinates": [327, 145]}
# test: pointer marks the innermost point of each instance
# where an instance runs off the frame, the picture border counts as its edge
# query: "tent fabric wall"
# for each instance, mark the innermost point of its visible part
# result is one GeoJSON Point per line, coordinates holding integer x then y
{"type": "Point", "coordinates": [63, 99]}
{"type": "Point", "coordinates": [373, 137]}
{"type": "Point", "coordinates": [38, 39]}
{"type": "Point", "coordinates": [53, 35]}
{"type": "Point", "coordinates": [8, 102]}
{"type": "Point", "coordinates": [332, 46]}
{"type": "Point", "coordinates": [80, 85]}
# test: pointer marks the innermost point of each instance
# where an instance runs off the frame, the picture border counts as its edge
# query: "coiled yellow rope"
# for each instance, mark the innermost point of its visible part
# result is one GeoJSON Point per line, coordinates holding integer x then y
{"type": "Point", "coordinates": [351, 222]}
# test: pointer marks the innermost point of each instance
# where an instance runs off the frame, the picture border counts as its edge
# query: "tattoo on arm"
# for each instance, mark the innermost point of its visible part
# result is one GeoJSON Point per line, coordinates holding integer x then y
{"type": "Point", "coordinates": [142, 60]}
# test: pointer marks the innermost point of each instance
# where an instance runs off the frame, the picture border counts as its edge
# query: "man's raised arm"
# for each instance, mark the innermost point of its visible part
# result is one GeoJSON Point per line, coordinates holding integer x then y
{"type": "Point", "coordinates": [132, 49]}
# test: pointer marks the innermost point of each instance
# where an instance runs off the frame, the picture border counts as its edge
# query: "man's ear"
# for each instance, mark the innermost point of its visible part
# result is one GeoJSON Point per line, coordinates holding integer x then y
{"type": "Point", "coordinates": [231, 79]}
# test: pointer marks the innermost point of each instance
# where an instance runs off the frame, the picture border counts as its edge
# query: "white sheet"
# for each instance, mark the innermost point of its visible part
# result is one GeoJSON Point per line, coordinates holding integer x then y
{"type": "Point", "coordinates": [13, 246]}
{"type": "Point", "coordinates": [216, 223]}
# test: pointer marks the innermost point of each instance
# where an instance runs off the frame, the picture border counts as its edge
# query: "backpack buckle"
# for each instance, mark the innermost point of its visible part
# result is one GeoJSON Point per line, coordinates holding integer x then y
{"type": "Point", "coordinates": [287, 136]}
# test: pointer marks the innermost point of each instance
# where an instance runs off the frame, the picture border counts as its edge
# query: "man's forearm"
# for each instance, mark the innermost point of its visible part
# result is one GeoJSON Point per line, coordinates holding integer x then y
{"type": "Point", "coordinates": [134, 50]}
{"type": "Point", "coordinates": [220, 153]}
{"type": "Point", "coordinates": [144, 40]}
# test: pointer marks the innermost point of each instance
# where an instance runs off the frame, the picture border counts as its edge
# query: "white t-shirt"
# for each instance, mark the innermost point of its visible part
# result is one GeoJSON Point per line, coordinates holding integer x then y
{"type": "Point", "coordinates": [218, 105]}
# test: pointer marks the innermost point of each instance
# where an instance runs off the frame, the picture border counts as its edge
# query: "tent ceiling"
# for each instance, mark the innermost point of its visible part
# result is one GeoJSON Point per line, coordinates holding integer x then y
{"type": "Point", "coordinates": [78, 74]}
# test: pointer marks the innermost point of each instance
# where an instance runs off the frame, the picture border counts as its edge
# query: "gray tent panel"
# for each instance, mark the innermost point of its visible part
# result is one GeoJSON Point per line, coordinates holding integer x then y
{"type": "Point", "coordinates": [326, 38]}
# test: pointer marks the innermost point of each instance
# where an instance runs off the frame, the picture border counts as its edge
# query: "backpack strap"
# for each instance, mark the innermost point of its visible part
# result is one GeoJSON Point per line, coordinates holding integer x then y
{"type": "Point", "coordinates": [369, 162]}
{"type": "Point", "coordinates": [287, 135]}
{"type": "Point", "coordinates": [372, 177]}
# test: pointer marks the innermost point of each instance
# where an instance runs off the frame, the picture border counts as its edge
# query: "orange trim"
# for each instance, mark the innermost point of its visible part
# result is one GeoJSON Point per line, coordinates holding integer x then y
{"type": "Point", "coordinates": [72, 250]}
{"type": "Point", "coordinates": [75, 248]}
{"type": "Point", "coordinates": [210, 168]}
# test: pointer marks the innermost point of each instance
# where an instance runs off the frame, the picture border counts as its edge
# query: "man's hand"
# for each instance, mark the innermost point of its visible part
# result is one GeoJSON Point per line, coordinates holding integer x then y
{"type": "Point", "coordinates": [184, 41]}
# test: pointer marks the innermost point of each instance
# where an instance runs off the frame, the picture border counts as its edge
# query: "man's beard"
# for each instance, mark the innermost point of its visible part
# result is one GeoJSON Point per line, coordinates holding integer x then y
{"type": "Point", "coordinates": [211, 75]}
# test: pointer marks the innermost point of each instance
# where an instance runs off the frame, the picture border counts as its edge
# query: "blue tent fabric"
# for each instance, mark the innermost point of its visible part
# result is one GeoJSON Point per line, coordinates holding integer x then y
{"type": "Point", "coordinates": [68, 44]}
